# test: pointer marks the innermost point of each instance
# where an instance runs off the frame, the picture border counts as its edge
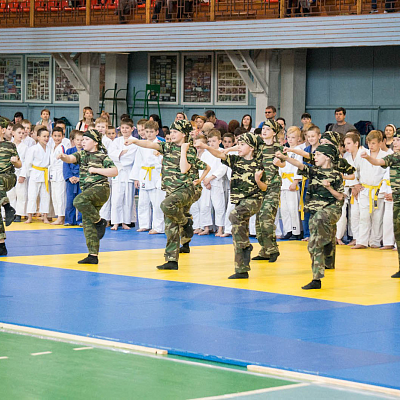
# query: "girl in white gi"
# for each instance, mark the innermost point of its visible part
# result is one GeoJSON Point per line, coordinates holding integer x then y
{"type": "Point", "coordinates": [57, 181]}
{"type": "Point", "coordinates": [122, 200]}
{"type": "Point", "coordinates": [212, 195]}
{"type": "Point", "coordinates": [37, 163]}
{"type": "Point", "coordinates": [290, 189]}
{"type": "Point", "coordinates": [370, 200]}
{"type": "Point", "coordinates": [18, 195]}
{"type": "Point", "coordinates": [146, 173]}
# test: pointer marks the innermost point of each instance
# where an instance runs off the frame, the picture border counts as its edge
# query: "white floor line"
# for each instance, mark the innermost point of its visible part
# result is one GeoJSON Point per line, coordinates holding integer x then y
{"type": "Point", "coordinates": [3, 358]}
{"type": "Point", "coordinates": [40, 354]}
{"type": "Point", "coordinates": [252, 392]}
{"type": "Point", "coordinates": [321, 380]}
{"type": "Point", "coordinates": [83, 348]}
{"type": "Point", "coordinates": [80, 339]}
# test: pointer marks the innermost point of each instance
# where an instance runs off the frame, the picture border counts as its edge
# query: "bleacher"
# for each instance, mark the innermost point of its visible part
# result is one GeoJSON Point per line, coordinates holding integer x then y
{"type": "Point", "coordinates": [42, 13]}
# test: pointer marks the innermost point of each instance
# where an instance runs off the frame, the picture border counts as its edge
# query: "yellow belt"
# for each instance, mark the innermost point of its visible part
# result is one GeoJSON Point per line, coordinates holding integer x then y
{"type": "Point", "coordinates": [148, 172]}
{"type": "Point", "coordinates": [303, 184]}
{"type": "Point", "coordinates": [373, 198]}
{"type": "Point", "coordinates": [46, 175]}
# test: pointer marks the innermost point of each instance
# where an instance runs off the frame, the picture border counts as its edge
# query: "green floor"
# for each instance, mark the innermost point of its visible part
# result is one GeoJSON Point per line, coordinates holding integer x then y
{"type": "Point", "coordinates": [106, 374]}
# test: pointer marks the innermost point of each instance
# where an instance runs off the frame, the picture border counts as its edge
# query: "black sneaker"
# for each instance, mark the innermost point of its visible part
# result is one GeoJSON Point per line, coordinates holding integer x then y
{"type": "Point", "coordinates": [169, 265]}
{"type": "Point", "coordinates": [17, 218]}
{"type": "Point", "coordinates": [101, 228]}
{"type": "Point", "coordinates": [396, 275]}
{"type": "Point", "coordinates": [273, 257]}
{"type": "Point", "coordinates": [10, 214]}
{"type": "Point", "coordinates": [90, 259]}
{"type": "Point", "coordinates": [296, 237]}
{"type": "Point", "coordinates": [260, 258]}
{"type": "Point", "coordinates": [287, 236]}
{"type": "Point", "coordinates": [240, 275]}
{"type": "Point", "coordinates": [3, 249]}
{"type": "Point", "coordinates": [188, 228]}
{"type": "Point", "coordinates": [185, 248]}
{"type": "Point", "coordinates": [314, 284]}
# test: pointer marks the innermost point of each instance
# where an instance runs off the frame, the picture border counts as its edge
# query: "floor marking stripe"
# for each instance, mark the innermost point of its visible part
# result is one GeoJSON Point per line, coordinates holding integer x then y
{"type": "Point", "coordinates": [323, 380]}
{"type": "Point", "coordinates": [83, 348]}
{"type": "Point", "coordinates": [3, 358]}
{"type": "Point", "coordinates": [80, 339]}
{"type": "Point", "coordinates": [251, 392]}
{"type": "Point", "coordinates": [39, 354]}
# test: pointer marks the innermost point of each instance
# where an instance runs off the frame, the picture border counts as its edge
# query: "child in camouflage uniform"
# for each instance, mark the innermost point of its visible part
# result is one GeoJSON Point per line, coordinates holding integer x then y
{"type": "Point", "coordinates": [95, 167]}
{"type": "Point", "coordinates": [247, 182]}
{"type": "Point", "coordinates": [178, 184]}
{"type": "Point", "coordinates": [9, 160]}
{"type": "Point", "coordinates": [324, 200]}
{"type": "Point", "coordinates": [265, 223]}
{"type": "Point", "coordinates": [392, 161]}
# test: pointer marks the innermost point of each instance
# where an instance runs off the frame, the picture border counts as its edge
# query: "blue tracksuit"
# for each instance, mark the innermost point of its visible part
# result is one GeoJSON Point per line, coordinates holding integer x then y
{"type": "Point", "coordinates": [70, 170]}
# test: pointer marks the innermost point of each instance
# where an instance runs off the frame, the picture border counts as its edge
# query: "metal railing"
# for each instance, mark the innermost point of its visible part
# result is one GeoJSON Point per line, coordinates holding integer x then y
{"type": "Point", "coordinates": [42, 13]}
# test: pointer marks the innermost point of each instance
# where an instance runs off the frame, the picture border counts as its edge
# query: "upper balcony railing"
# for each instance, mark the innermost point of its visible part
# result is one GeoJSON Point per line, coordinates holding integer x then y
{"type": "Point", "coordinates": [45, 13]}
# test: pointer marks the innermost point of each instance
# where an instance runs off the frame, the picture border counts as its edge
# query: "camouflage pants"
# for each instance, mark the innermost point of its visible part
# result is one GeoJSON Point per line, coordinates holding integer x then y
{"type": "Point", "coordinates": [7, 182]}
{"type": "Point", "coordinates": [174, 206]}
{"type": "Point", "coordinates": [88, 203]}
{"type": "Point", "coordinates": [322, 230]}
{"type": "Point", "coordinates": [186, 210]}
{"type": "Point", "coordinates": [240, 217]}
{"type": "Point", "coordinates": [265, 222]}
{"type": "Point", "coordinates": [396, 225]}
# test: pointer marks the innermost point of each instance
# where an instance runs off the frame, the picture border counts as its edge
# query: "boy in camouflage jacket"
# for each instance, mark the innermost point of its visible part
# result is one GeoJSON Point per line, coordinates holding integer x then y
{"type": "Point", "coordinates": [178, 184]}
{"type": "Point", "coordinates": [324, 200]}
{"type": "Point", "coordinates": [95, 167]}
{"type": "Point", "coordinates": [9, 160]}
{"type": "Point", "coordinates": [247, 182]}
{"type": "Point", "coordinates": [392, 161]}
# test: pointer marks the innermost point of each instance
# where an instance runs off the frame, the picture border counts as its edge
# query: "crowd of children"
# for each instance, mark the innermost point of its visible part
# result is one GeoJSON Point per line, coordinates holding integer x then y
{"type": "Point", "coordinates": [300, 184]}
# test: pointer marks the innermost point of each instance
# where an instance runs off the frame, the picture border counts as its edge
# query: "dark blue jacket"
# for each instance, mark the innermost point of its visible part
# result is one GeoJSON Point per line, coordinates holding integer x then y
{"type": "Point", "coordinates": [70, 170]}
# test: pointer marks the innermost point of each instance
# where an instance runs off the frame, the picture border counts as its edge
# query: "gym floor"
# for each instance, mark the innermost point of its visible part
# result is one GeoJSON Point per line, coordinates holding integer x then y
{"type": "Point", "coordinates": [348, 330]}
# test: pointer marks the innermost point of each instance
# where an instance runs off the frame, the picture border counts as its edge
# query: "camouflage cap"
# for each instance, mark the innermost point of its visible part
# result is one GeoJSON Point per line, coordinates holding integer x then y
{"type": "Point", "coordinates": [333, 137]}
{"type": "Point", "coordinates": [397, 133]}
{"type": "Point", "coordinates": [273, 125]}
{"type": "Point", "coordinates": [328, 150]}
{"type": "Point", "coordinates": [96, 136]}
{"type": "Point", "coordinates": [254, 141]}
{"type": "Point", "coordinates": [4, 122]}
{"type": "Point", "coordinates": [183, 126]}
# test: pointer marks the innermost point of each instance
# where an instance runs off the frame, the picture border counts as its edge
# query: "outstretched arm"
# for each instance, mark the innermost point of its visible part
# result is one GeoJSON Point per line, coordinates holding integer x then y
{"type": "Point", "coordinates": [373, 161]}
{"type": "Point", "coordinates": [337, 195]}
{"type": "Point", "coordinates": [108, 172]}
{"type": "Point", "coordinates": [67, 158]}
{"type": "Point", "coordinates": [215, 152]}
{"type": "Point", "coordinates": [292, 161]}
{"type": "Point", "coordinates": [299, 152]}
{"type": "Point", "coordinates": [143, 143]}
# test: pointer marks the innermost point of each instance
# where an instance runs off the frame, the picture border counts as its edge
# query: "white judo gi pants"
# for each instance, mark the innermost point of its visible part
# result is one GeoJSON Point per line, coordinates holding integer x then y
{"type": "Point", "coordinates": [149, 199]}
{"type": "Point", "coordinates": [387, 228]}
{"type": "Point", "coordinates": [370, 226]}
{"type": "Point", "coordinates": [213, 198]}
{"type": "Point", "coordinates": [59, 197]}
{"type": "Point", "coordinates": [290, 211]}
{"type": "Point", "coordinates": [18, 197]}
{"type": "Point", "coordinates": [122, 203]}
{"type": "Point", "coordinates": [36, 189]}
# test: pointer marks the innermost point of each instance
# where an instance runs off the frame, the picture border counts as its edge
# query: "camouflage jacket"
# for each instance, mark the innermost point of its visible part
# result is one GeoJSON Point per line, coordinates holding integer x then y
{"type": "Point", "coordinates": [318, 196]}
{"type": "Point", "coordinates": [393, 161]}
{"type": "Point", "coordinates": [341, 165]}
{"type": "Point", "coordinates": [271, 170]}
{"type": "Point", "coordinates": [243, 182]}
{"type": "Point", "coordinates": [95, 159]}
{"type": "Point", "coordinates": [172, 177]}
{"type": "Point", "coordinates": [7, 150]}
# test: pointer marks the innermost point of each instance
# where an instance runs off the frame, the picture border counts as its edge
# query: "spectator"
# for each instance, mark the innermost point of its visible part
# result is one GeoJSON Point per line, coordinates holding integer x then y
{"type": "Point", "coordinates": [390, 129]}
{"type": "Point", "coordinates": [233, 124]}
{"type": "Point", "coordinates": [270, 113]}
{"type": "Point", "coordinates": [247, 123]}
{"type": "Point", "coordinates": [18, 117]}
{"type": "Point", "coordinates": [218, 124]}
{"type": "Point", "coordinates": [281, 121]}
{"type": "Point", "coordinates": [341, 125]}
{"type": "Point", "coordinates": [305, 119]}
{"type": "Point", "coordinates": [155, 117]}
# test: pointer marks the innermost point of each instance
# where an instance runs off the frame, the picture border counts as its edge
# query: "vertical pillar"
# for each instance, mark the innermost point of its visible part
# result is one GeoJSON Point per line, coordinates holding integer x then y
{"type": "Point", "coordinates": [117, 73]}
{"type": "Point", "coordinates": [267, 63]}
{"type": "Point", "coordinates": [90, 67]}
{"type": "Point", "coordinates": [293, 85]}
